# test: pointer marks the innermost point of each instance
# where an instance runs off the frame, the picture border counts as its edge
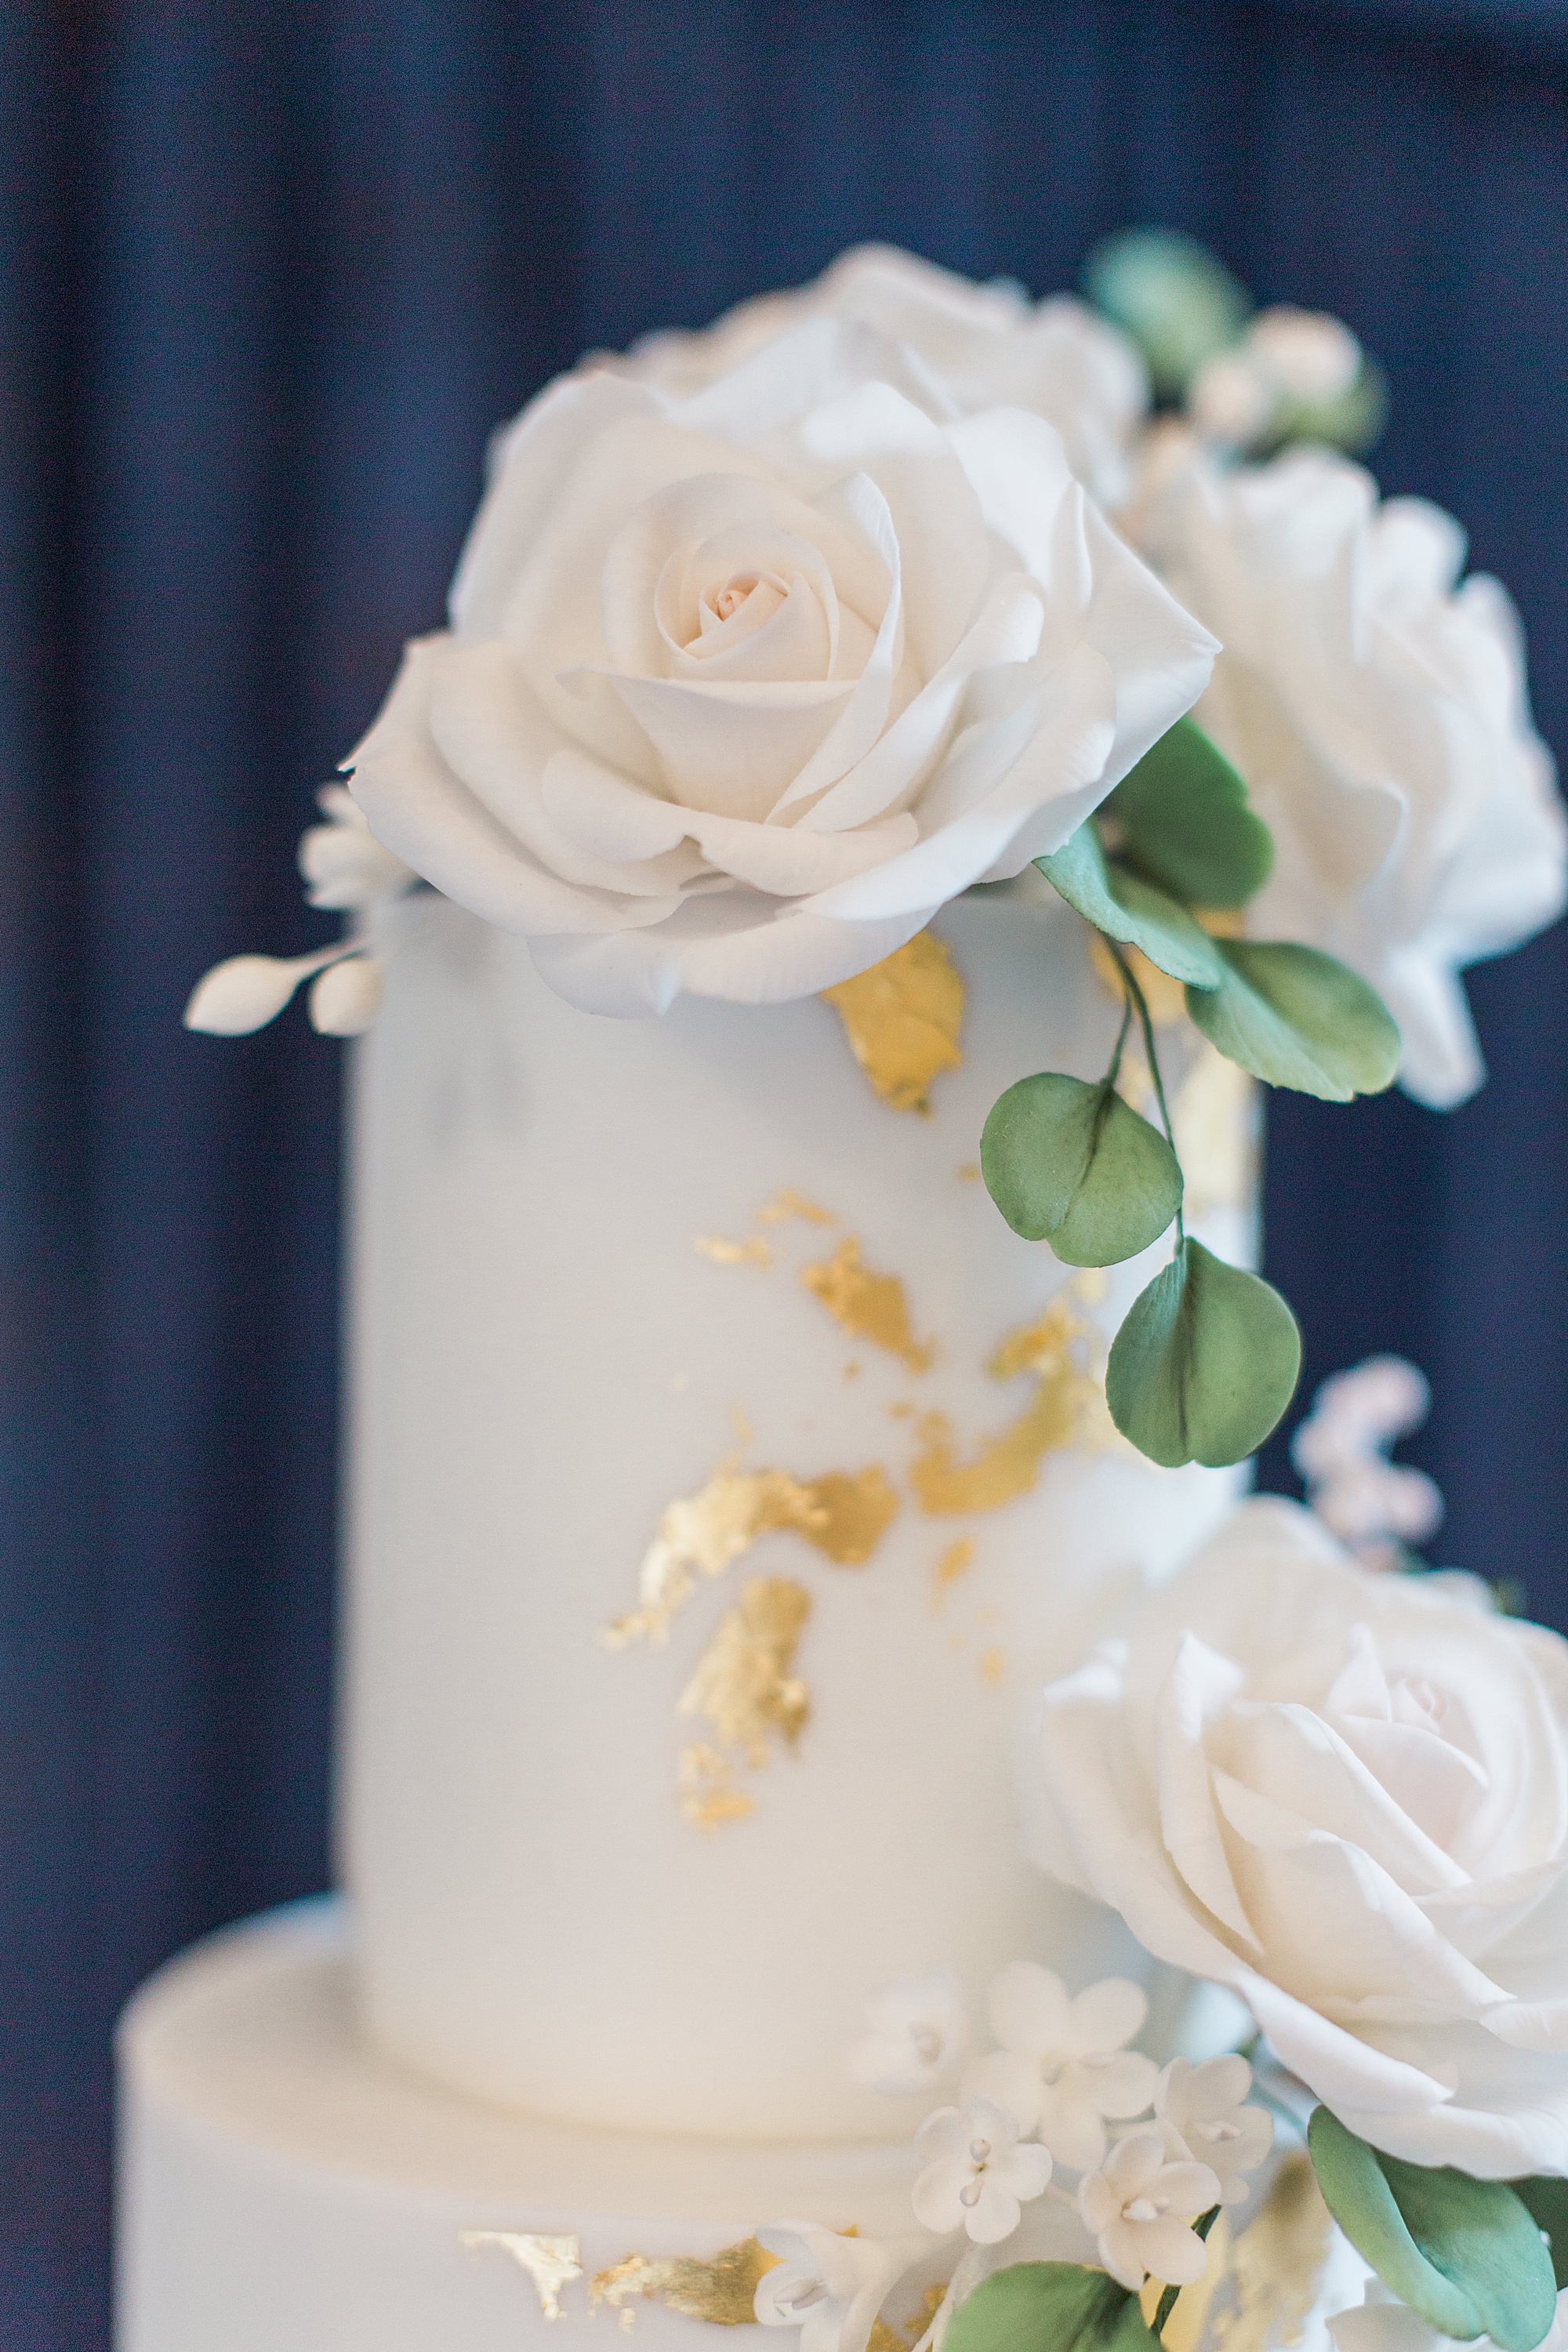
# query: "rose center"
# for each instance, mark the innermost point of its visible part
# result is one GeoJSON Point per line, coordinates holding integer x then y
{"type": "Point", "coordinates": [748, 598]}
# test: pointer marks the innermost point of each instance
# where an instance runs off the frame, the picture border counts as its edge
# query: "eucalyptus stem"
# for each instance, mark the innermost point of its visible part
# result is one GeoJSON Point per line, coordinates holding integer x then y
{"type": "Point", "coordinates": [1111, 1075]}
{"type": "Point", "coordinates": [1135, 996]}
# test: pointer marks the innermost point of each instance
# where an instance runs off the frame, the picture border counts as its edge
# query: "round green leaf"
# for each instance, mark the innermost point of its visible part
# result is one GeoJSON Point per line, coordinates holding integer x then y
{"type": "Point", "coordinates": [1175, 298]}
{"type": "Point", "coordinates": [1298, 1018]}
{"type": "Point", "coordinates": [1131, 911]}
{"type": "Point", "coordinates": [1048, 2308]}
{"type": "Point", "coordinates": [1186, 826]}
{"type": "Point", "coordinates": [1464, 2253]}
{"type": "Point", "coordinates": [1072, 1164]}
{"type": "Point", "coordinates": [1205, 1363]}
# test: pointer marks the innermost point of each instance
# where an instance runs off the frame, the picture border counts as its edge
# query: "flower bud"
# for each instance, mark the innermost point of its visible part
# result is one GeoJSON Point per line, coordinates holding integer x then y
{"type": "Point", "coordinates": [242, 994]}
{"type": "Point", "coordinates": [346, 997]}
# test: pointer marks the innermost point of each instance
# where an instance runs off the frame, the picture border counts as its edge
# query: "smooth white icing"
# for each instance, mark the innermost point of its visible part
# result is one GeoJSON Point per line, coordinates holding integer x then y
{"type": "Point", "coordinates": [541, 1361]}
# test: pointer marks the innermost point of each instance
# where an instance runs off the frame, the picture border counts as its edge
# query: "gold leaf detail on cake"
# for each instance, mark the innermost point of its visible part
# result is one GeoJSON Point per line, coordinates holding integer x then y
{"type": "Point", "coordinates": [902, 1019]}
{"type": "Point", "coordinates": [955, 1559]}
{"type": "Point", "coordinates": [1276, 2263]}
{"type": "Point", "coordinates": [885, 2337]}
{"type": "Point", "coordinates": [843, 1513]}
{"type": "Point", "coordinates": [868, 1306]}
{"type": "Point", "coordinates": [743, 1683]}
{"type": "Point", "coordinates": [722, 2290]}
{"type": "Point", "coordinates": [992, 1668]}
{"type": "Point", "coordinates": [1068, 1409]}
{"type": "Point", "coordinates": [550, 2263]}
{"type": "Point", "coordinates": [1185, 2327]}
{"type": "Point", "coordinates": [705, 1783]}
{"type": "Point", "coordinates": [850, 1513]}
{"type": "Point", "coordinates": [754, 1251]}
{"type": "Point", "coordinates": [788, 1203]}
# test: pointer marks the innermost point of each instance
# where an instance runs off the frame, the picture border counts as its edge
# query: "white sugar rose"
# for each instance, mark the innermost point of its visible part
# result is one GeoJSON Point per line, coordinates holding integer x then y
{"type": "Point", "coordinates": [988, 343]}
{"type": "Point", "coordinates": [741, 689]}
{"type": "Point", "coordinates": [1345, 1795]}
{"type": "Point", "coordinates": [1376, 709]}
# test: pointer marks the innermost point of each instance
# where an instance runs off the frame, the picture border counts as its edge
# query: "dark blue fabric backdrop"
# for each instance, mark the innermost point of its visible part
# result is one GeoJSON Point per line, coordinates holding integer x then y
{"type": "Point", "coordinates": [268, 275]}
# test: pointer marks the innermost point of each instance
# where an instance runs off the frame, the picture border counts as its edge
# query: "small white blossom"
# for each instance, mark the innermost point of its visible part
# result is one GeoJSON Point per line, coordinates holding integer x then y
{"type": "Point", "coordinates": [1309, 355]}
{"type": "Point", "coordinates": [343, 862]}
{"type": "Point", "coordinates": [977, 2175]}
{"type": "Point", "coordinates": [1138, 2206]}
{"type": "Point", "coordinates": [1384, 2323]}
{"type": "Point", "coordinates": [919, 2032]}
{"type": "Point", "coordinates": [1063, 2067]}
{"type": "Point", "coordinates": [1232, 399]}
{"type": "Point", "coordinates": [1203, 2114]}
{"type": "Point", "coordinates": [830, 2287]}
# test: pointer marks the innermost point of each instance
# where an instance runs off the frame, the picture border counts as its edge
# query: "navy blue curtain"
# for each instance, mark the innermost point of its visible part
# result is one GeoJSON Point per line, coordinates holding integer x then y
{"type": "Point", "coordinates": [268, 275]}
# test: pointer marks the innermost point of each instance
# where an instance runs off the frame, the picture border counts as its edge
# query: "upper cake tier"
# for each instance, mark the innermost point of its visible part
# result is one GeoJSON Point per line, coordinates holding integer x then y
{"type": "Point", "coordinates": [726, 1474]}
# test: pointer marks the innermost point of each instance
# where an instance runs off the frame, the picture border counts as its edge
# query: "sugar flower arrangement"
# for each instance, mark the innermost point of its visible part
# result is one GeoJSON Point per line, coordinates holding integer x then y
{"type": "Point", "coordinates": [769, 641]}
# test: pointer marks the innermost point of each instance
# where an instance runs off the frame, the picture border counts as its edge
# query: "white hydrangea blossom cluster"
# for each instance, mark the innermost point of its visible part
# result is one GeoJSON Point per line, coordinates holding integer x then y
{"type": "Point", "coordinates": [1062, 2091]}
{"type": "Point", "coordinates": [1375, 1507]}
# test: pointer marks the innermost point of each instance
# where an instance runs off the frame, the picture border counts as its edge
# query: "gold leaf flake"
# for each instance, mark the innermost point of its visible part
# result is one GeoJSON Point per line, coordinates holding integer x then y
{"type": "Point", "coordinates": [1067, 1409]}
{"type": "Point", "coordinates": [722, 2290]}
{"type": "Point", "coordinates": [850, 1513]}
{"type": "Point", "coordinates": [1184, 2326]}
{"type": "Point", "coordinates": [844, 1514]}
{"type": "Point", "coordinates": [754, 1251]}
{"type": "Point", "coordinates": [790, 1204]}
{"type": "Point", "coordinates": [992, 1666]}
{"type": "Point", "coordinates": [550, 2263]}
{"type": "Point", "coordinates": [902, 1019]}
{"type": "Point", "coordinates": [868, 1306]}
{"type": "Point", "coordinates": [1277, 2263]}
{"type": "Point", "coordinates": [970, 1172]}
{"type": "Point", "coordinates": [741, 1425]}
{"type": "Point", "coordinates": [743, 1683]}
{"type": "Point", "coordinates": [705, 1783]}
{"type": "Point", "coordinates": [955, 1560]}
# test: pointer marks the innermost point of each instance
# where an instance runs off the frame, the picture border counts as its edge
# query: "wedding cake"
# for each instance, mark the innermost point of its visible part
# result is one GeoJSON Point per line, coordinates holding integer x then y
{"type": "Point", "coordinates": [812, 977]}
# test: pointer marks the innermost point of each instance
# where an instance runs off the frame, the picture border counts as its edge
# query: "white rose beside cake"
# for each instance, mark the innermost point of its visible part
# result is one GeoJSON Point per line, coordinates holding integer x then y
{"type": "Point", "coordinates": [850, 1825]}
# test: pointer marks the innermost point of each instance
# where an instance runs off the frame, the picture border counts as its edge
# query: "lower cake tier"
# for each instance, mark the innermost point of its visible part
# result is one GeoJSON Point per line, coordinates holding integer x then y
{"type": "Point", "coordinates": [285, 2188]}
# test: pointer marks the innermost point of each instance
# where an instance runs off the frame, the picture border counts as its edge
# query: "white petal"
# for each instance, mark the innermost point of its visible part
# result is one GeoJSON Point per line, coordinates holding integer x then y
{"type": "Point", "coordinates": [346, 998]}
{"type": "Point", "coordinates": [1106, 2016]}
{"type": "Point", "coordinates": [1029, 2008]}
{"type": "Point", "coordinates": [242, 994]}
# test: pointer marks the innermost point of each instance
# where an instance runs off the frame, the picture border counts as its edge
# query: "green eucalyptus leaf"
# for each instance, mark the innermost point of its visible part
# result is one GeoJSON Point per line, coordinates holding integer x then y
{"type": "Point", "coordinates": [1186, 826]}
{"type": "Point", "coordinates": [1175, 298]}
{"type": "Point", "coordinates": [1205, 1363]}
{"type": "Point", "coordinates": [1298, 1018]}
{"type": "Point", "coordinates": [1048, 2308]}
{"type": "Point", "coordinates": [1131, 911]}
{"type": "Point", "coordinates": [1546, 2201]}
{"type": "Point", "coordinates": [1464, 2253]}
{"type": "Point", "coordinates": [1072, 1164]}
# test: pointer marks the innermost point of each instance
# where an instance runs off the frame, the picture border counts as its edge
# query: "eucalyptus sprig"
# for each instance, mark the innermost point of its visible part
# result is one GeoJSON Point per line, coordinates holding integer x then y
{"type": "Point", "coordinates": [1207, 1357]}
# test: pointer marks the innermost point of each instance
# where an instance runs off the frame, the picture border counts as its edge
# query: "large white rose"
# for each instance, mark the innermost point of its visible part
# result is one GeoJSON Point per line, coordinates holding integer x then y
{"type": "Point", "coordinates": [989, 345]}
{"type": "Point", "coordinates": [1378, 713]}
{"type": "Point", "coordinates": [741, 688]}
{"type": "Point", "coordinates": [1345, 1795]}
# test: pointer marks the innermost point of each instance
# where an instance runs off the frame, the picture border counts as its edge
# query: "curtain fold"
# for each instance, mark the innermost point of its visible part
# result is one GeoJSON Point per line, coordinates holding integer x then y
{"type": "Point", "coordinates": [267, 277]}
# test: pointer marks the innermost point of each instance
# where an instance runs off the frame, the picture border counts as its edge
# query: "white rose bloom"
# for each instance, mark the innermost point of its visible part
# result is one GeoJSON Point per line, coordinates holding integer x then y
{"type": "Point", "coordinates": [1345, 1795]}
{"type": "Point", "coordinates": [1377, 711]}
{"type": "Point", "coordinates": [989, 344]}
{"type": "Point", "coordinates": [741, 689]}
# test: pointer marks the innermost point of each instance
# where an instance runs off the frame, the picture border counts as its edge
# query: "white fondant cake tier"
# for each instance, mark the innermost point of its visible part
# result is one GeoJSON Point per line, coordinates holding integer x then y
{"type": "Point", "coordinates": [285, 2189]}
{"type": "Point", "coordinates": [571, 1311]}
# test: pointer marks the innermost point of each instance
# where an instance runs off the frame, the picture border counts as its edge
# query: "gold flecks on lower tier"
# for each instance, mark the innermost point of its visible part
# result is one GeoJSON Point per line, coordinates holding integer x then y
{"type": "Point", "coordinates": [902, 1019]}
{"type": "Point", "coordinates": [787, 1203]}
{"type": "Point", "coordinates": [1067, 1409]}
{"type": "Point", "coordinates": [958, 1558]}
{"type": "Point", "coordinates": [705, 1785]}
{"type": "Point", "coordinates": [1277, 2263]}
{"type": "Point", "coordinates": [550, 2263]}
{"type": "Point", "coordinates": [867, 1306]}
{"type": "Point", "coordinates": [744, 1682]}
{"type": "Point", "coordinates": [754, 1251]}
{"type": "Point", "coordinates": [722, 2290]}
{"type": "Point", "coordinates": [844, 1514]}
